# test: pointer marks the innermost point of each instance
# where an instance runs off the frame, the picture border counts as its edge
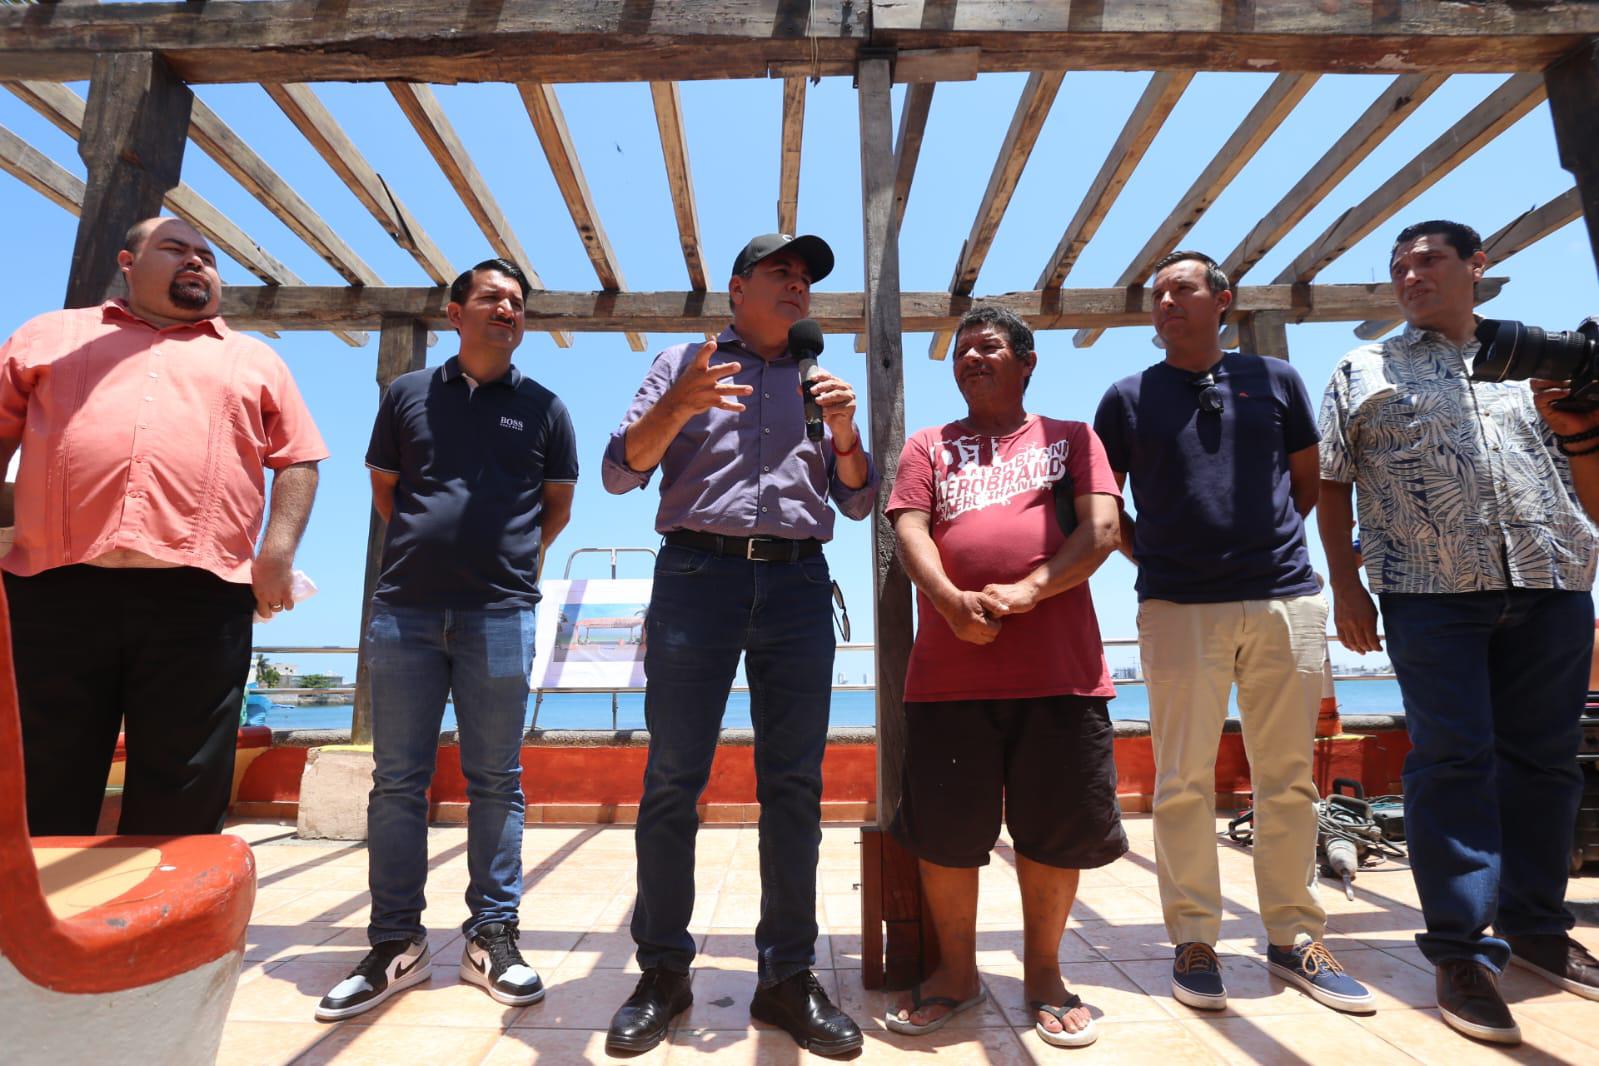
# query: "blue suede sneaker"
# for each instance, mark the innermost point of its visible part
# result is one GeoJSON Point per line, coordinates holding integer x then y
{"type": "Point", "coordinates": [1196, 977]}
{"type": "Point", "coordinates": [1312, 968]}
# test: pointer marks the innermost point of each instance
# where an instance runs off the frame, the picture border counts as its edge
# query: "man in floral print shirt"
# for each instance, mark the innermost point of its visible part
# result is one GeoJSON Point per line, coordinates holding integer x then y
{"type": "Point", "coordinates": [1476, 542]}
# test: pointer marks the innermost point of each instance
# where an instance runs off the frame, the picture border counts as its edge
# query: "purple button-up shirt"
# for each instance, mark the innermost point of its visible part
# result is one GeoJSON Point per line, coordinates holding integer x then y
{"type": "Point", "coordinates": [740, 473]}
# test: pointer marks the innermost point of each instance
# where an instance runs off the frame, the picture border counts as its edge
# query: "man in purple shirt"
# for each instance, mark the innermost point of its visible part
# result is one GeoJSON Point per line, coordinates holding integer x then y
{"type": "Point", "coordinates": [744, 513]}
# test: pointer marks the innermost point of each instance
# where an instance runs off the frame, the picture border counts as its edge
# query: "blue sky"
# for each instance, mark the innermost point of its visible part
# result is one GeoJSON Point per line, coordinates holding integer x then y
{"type": "Point", "coordinates": [733, 132]}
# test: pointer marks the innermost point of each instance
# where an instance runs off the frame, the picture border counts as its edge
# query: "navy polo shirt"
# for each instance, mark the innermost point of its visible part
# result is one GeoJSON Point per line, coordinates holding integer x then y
{"type": "Point", "coordinates": [473, 462]}
{"type": "Point", "coordinates": [1216, 518]}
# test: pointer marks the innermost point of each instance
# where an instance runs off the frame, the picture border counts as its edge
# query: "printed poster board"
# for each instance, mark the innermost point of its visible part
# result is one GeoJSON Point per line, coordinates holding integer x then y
{"type": "Point", "coordinates": [591, 635]}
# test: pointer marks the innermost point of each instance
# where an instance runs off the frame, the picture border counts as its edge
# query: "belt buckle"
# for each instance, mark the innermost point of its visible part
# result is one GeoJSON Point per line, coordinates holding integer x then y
{"type": "Point", "coordinates": [749, 550]}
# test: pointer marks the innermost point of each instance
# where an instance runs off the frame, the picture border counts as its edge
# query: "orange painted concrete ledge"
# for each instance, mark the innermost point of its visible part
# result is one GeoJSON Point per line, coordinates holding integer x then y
{"type": "Point", "coordinates": [602, 783]}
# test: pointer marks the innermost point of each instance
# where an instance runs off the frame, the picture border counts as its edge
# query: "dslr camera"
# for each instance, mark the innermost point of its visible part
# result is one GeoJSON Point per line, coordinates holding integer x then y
{"type": "Point", "coordinates": [1515, 351]}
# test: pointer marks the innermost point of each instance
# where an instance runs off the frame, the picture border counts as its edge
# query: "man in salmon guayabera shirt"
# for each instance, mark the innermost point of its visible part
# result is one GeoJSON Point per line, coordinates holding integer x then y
{"type": "Point", "coordinates": [1001, 518]}
{"type": "Point", "coordinates": [146, 425]}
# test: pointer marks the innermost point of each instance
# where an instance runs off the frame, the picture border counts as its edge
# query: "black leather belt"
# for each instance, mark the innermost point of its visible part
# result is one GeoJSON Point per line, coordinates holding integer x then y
{"type": "Point", "coordinates": [760, 549]}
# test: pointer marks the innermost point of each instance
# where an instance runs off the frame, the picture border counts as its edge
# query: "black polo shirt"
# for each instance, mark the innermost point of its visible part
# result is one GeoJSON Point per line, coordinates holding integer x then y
{"type": "Point", "coordinates": [473, 461]}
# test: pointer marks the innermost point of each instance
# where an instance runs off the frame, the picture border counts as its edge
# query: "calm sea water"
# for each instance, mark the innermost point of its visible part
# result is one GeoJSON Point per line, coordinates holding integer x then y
{"type": "Point", "coordinates": [593, 710]}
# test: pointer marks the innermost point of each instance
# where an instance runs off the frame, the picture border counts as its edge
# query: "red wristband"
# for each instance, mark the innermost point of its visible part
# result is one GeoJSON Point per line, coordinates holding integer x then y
{"type": "Point", "coordinates": [857, 447]}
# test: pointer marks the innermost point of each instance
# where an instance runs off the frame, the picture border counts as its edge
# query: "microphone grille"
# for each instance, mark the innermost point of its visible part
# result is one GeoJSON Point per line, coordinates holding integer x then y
{"type": "Point", "coordinates": [805, 339]}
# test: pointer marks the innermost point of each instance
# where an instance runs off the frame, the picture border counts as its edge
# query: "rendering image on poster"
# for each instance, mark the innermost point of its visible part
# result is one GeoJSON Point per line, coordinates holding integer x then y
{"type": "Point", "coordinates": [591, 635]}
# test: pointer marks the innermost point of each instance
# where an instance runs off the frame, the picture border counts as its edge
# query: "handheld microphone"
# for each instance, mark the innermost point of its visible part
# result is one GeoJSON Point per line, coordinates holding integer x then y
{"type": "Point", "coordinates": [805, 341]}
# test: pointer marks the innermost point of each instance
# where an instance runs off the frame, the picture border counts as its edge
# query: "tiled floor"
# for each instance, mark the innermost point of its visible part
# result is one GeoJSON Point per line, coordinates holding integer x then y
{"type": "Point", "coordinates": [308, 930]}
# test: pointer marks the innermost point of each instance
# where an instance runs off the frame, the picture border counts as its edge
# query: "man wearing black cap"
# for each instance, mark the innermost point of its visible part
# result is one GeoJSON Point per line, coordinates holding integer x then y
{"type": "Point", "coordinates": [744, 513]}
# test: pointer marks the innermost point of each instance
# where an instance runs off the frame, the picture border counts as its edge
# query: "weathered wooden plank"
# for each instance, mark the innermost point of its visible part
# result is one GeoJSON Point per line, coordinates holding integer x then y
{"type": "Point", "coordinates": [789, 161]}
{"type": "Point", "coordinates": [913, 113]}
{"type": "Point", "coordinates": [1503, 108]}
{"type": "Point", "coordinates": [1032, 109]}
{"type": "Point", "coordinates": [1573, 86]}
{"type": "Point", "coordinates": [39, 172]}
{"type": "Point", "coordinates": [422, 107]}
{"type": "Point", "coordinates": [65, 108]}
{"type": "Point", "coordinates": [317, 124]}
{"type": "Point", "coordinates": [356, 307]}
{"type": "Point", "coordinates": [674, 150]}
{"type": "Point", "coordinates": [1149, 114]}
{"type": "Point", "coordinates": [132, 144]}
{"type": "Point", "coordinates": [1395, 104]}
{"type": "Point", "coordinates": [622, 40]}
{"type": "Point", "coordinates": [549, 122]}
{"type": "Point", "coordinates": [1269, 112]}
{"type": "Point", "coordinates": [402, 348]}
{"type": "Point", "coordinates": [1264, 333]}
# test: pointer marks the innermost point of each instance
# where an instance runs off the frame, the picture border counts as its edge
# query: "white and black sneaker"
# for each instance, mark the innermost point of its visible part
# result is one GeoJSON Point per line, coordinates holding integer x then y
{"type": "Point", "coordinates": [390, 967]}
{"type": "Point", "coordinates": [492, 962]}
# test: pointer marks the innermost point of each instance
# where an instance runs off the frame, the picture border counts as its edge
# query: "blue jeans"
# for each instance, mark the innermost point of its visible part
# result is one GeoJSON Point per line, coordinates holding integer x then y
{"type": "Point", "coordinates": [417, 657]}
{"type": "Point", "coordinates": [704, 611]}
{"type": "Point", "coordinates": [1493, 685]}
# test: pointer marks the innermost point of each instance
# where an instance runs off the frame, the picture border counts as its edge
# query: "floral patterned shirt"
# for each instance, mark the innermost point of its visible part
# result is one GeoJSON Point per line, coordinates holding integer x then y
{"type": "Point", "coordinates": [1459, 485]}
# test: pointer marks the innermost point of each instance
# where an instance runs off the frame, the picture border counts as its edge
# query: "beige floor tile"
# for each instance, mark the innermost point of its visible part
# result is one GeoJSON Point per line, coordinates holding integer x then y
{"type": "Point", "coordinates": [1141, 939]}
{"type": "Point", "coordinates": [846, 949]}
{"type": "Point", "coordinates": [278, 943]}
{"type": "Point", "coordinates": [580, 997]}
{"type": "Point", "coordinates": [326, 906]}
{"type": "Point", "coordinates": [562, 1047]}
{"type": "Point", "coordinates": [722, 998]}
{"type": "Point", "coordinates": [1126, 1043]}
{"type": "Point", "coordinates": [352, 1045]}
{"type": "Point", "coordinates": [999, 946]}
{"type": "Point", "coordinates": [1423, 1035]}
{"type": "Point", "coordinates": [1306, 1038]}
{"type": "Point", "coordinates": [309, 878]}
{"type": "Point", "coordinates": [754, 1045]}
{"type": "Point", "coordinates": [287, 992]}
{"type": "Point", "coordinates": [267, 1043]}
{"type": "Point", "coordinates": [268, 900]}
{"type": "Point", "coordinates": [976, 1047]}
{"type": "Point", "coordinates": [1115, 903]}
{"type": "Point", "coordinates": [1577, 1018]}
{"type": "Point", "coordinates": [734, 949]}
{"type": "Point", "coordinates": [1106, 990]}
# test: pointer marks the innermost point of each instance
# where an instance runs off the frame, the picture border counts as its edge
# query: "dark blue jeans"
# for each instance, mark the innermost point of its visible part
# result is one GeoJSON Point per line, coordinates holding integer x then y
{"type": "Point", "coordinates": [418, 657]}
{"type": "Point", "coordinates": [704, 611]}
{"type": "Point", "coordinates": [1493, 685]}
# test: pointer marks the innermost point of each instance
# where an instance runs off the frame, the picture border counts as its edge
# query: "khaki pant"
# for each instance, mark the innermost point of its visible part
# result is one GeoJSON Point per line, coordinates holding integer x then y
{"type": "Point", "coordinates": [1192, 655]}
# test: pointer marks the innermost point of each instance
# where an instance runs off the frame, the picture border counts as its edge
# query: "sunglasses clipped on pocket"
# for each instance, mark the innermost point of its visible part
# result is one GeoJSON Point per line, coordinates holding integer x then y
{"type": "Point", "coordinates": [840, 615]}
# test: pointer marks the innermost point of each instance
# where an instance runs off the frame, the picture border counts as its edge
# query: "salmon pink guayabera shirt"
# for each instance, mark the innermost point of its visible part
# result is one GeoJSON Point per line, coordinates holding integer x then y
{"type": "Point", "coordinates": [145, 438]}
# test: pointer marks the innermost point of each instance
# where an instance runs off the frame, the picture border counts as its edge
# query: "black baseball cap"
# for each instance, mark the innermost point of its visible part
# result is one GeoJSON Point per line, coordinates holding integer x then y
{"type": "Point", "coordinates": [817, 255]}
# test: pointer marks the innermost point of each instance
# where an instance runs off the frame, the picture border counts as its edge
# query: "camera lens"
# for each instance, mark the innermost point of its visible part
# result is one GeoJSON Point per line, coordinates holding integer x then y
{"type": "Point", "coordinates": [1514, 351]}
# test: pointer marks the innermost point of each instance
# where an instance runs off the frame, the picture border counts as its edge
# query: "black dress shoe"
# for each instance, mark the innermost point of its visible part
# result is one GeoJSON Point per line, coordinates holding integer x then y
{"type": "Point", "coordinates": [1469, 999]}
{"type": "Point", "coordinates": [798, 1005]}
{"type": "Point", "coordinates": [640, 1023]}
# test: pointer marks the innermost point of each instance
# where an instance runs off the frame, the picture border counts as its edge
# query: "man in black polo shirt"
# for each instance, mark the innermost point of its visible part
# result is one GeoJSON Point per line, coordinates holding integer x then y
{"type": "Point", "coordinates": [473, 467]}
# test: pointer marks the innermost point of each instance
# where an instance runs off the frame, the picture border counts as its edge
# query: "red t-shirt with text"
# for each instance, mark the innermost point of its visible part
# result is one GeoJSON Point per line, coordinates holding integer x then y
{"type": "Point", "coordinates": [992, 515]}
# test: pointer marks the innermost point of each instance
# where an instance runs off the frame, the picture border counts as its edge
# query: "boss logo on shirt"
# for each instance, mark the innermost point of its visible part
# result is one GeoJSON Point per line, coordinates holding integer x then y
{"type": "Point", "coordinates": [506, 422]}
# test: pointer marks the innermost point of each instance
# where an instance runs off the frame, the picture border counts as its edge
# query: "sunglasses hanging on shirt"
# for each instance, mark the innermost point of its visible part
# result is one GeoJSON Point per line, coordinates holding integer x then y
{"type": "Point", "coordinates": [1210, 400]}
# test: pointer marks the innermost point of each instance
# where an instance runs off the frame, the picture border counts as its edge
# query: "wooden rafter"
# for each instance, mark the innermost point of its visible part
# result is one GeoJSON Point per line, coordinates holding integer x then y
{"type": "Point", "coordinates": [622, 40]}
{"type": "Point", "coordinates": [1032, 108]}
{"type": "Point", "coordinates": [789, 164]}
{"type": "Point", "coordinates": [913, 113]}
{"type": "Point", "coordinates": [39, 172]}
{"type": "Point", "coordinates": [1269, 112]}
{"type": "Point", "coordinates": [1502, 109]}
{"type": "Point", "coordinates": [65, 110]}
{"type": "Point", "coordinates": [550, 124]}
{"type": "Point", "coordinates": [309, 307]}
{"type": "Point", "coordinates": [1525, 229]}
{"type": "Point", "coordinates": [1149, 114]}
{"type": "Point", "coordinates": [312, 118]}
{"type": "Point", "coordinates": [422, 107]}
{"type": "Point", "coordinates": [1395, 104]}
{"type": "Point", "coordinates": [674, 150]}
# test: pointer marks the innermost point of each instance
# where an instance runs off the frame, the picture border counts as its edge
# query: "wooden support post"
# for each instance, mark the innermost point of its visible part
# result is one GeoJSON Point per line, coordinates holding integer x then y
{"type": "Point", "coordinates": [1263, 333]}
{"type": "Point", "coordinates": [134, 130]}
{"type": "Point", "coordinates": [886, 390]}
{"type": "Point", "coordinates": [1573, 85]}
{"type": "Point", "coordinates": [402, 348]}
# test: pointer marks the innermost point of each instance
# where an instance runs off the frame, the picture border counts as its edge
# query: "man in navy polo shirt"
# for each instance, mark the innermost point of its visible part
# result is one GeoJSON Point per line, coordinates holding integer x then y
{"type": "Point", "coordinates": [473, 467]}
{"type": "Point", "coordinates": [744, 513]}
{"type": "Point", "coordinates": [1222, 453]}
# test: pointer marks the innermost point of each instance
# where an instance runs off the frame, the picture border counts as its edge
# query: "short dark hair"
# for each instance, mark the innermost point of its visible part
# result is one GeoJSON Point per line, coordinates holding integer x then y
{"type": "Point", "coordinates": [1004, 320]}
{"type": "Point", "coordinates": [463, 282]}
{"type": "Point", "coordinates": [134, 239]}
{"type": "Point", "coordinates": [1466, 241]}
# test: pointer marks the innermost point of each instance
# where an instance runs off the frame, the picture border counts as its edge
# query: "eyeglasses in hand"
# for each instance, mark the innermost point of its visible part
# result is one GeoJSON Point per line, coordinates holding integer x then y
{"type": "Point", "coordinates": [1210, 400]}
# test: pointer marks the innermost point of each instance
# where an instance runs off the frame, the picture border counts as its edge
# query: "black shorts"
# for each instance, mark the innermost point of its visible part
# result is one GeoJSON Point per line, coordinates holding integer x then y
{"type": "Point", "coordinates": [1048, 764]}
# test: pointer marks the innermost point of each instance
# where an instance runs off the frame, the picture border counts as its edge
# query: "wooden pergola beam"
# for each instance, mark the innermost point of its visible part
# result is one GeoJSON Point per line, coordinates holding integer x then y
{"type": "Point", "coordinates": [1574, 107]}
{"type": "Point", "coordinates": [1503, 108]}
{"type": "Point", "coordinates": [789, 162]}
{"type": "Point", "coordinates": [39, 172]}
{"type": "Point", "coordinates": [550, 124]}
{"type": "Point", "coordinates": [679, 178]}
{"type": "Point", "coordinates": [317, 124]}
{"type": "Point", "coordinates": [1027, 121]}
{"type": "Point", "coordinates": [1149, 114]}
{"type": "Point", "coordinates": [65, 108]}
{"type": "Point", "coordinates": [621, 40]}
{"type": "Point", "coordinates": [315, 307]}
{"type": "Point", "coordinates": [1392, 106]}
{"type": "Point", "coordinates": [1269, 112]}
{"type": "Point", "coordinates": [426, 115]}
